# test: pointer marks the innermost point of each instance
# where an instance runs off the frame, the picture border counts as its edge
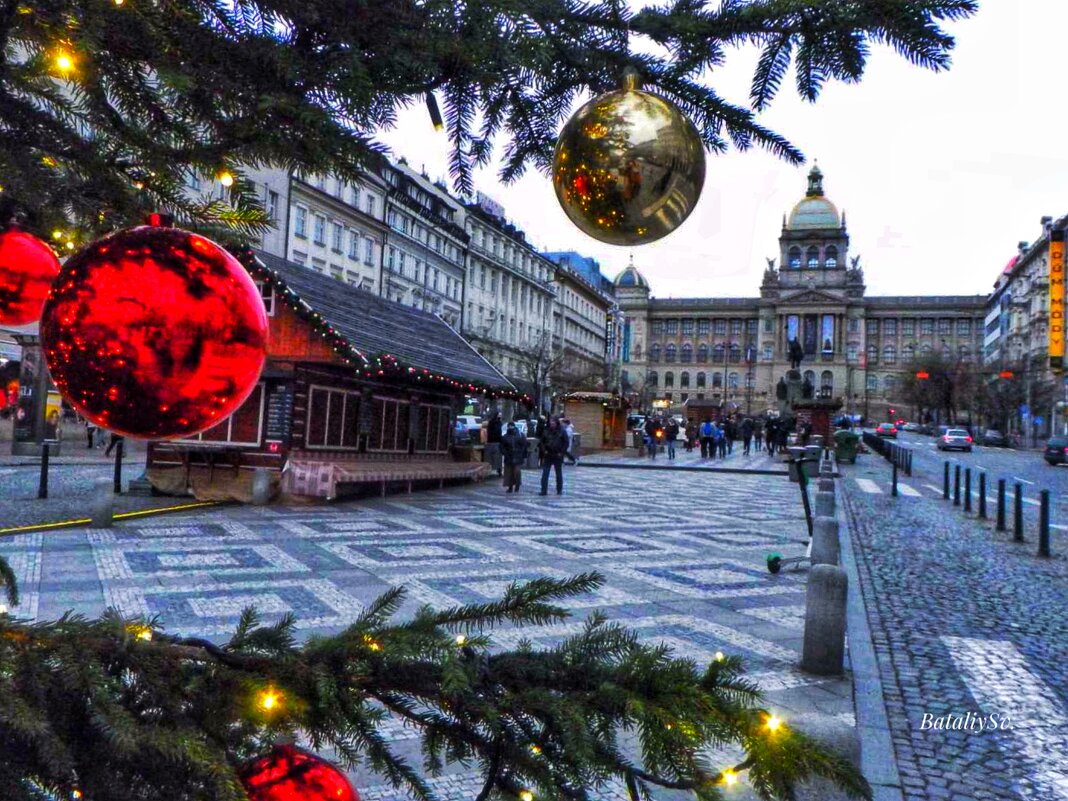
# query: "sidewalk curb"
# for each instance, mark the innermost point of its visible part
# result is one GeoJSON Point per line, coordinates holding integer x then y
{"type": "Point", "coordinates": [878, 761]}
{"type": "Point", "coordinates": [133, 514]}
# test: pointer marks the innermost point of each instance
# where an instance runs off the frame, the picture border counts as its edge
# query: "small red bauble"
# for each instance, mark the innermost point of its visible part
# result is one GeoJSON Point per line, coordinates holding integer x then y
{"type": "Point", "coordinates": [27, 268]}
{"type": "Point", "coordinates": [289, 773]}
{"type": "Point", "coordinates": [154, 333]}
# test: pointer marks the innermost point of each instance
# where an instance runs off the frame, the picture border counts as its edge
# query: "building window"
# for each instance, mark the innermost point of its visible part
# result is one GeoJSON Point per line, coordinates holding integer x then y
{"type": "Point", "coordinates": [795, 258]}
{"type": "Point", "coordinates": [702, 328]}
{"type": "Point", "coordinates": [889, 385]}
{"type": "Point", "coordinates": [908, 352]}
{"type": "Point", "coordinates": [702, 354]}
{"type": "Point", "coordinates": [368, 251]}
{"type": "Point", "coordinates": [854, 326]}
{"type": "Point", "coordinates": [873, 355]}
{"type": "Point", "coordinates": [890, 328]}
{"type": "Point", "coordinates": [687, 327]}
{"type": "Point", "coordinates": [272, 206]}
{"type": "Point", "coordinates": [332, 418]}
{"type": "Point", "coordinates": [872, 328]}
{"type": "Point", "coordinates": [830, 257]}
{"type": "Point", "coordinates": [670, 353]}
{"type": "Point", "coordinates": [768, 353]}
{"type": "Point", "coordinates": [300, 223]}
{"type": "Point", "coordinates": [355, 196]}
{"type": "Point", "coordinates": [812, 257]}
{"type": "Point", "coordinates": [751, 327]}
{"type": "Point", "coordinates": [686, 356]}
{"type": "Point", "coordinates": [945, 326]}
{"type": "Point", "coordinates": [736, 327]}
{"type": "Point", "coordinates": [243, 427]}
{"type": "Point", "coordinates": [826, 383]}
{"type": "Point", "coordinates": [735, 353]}
{"type": "Point", "coordinates": [700, 380]}
{"type": "Point", "coordinates": [926, 327]}
{"type": "Point", "coordinates": [669, 380]}
{"type": "Point", "coordinates": [717, 380]}
{"type": "Point", "coordinates": [389, 425]}
{"type": "Point", "coordinates": [851, 352]}
{"type": "Point", "coordinates": [889, 355]}
{"type": "Point", "coordinates": [339, 237]}
{"type": "Point", "coordinates": [654, 352]}
{"type": "Point", "coordinates": [963, 353]}
{"type": "Point", "coordinates": [320, 230]}
{"type": "Point", "coordinates": [872, 383]}
{"type": "Point", "coordinates": [671, 326]}
{"type": "Point", "coordinates": [371, 205]}
{"type": "Point", "coordinates": [908, 327]}
{"type": "Point", "coordinates": [732, 381]}
{"type": "Point", "coordinates": [432, 429]}
{"type": "Point", "coordinates": [964, 328]}
{"type": "Point", "coordinates": [267, 295]}
{"type": "Point", "coordinates": [717, 354]}
{"type": "Point", "coordinates": [354, 245]}
{"type": "Point", "coordinates": [768, 325]}
{"type": "Point", "coordinates": [652, 379]}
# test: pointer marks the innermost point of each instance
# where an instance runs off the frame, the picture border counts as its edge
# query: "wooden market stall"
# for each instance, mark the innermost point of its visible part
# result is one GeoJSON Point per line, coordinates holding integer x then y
{"type": "Point", "coordinates": [357, 390]}
{"type": "Point", "coordinates": [599, 417]}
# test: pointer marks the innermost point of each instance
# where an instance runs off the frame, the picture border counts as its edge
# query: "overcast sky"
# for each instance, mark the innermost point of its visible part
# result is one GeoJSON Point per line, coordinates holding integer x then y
{"type": "Point", "coordinates": [941, 174]}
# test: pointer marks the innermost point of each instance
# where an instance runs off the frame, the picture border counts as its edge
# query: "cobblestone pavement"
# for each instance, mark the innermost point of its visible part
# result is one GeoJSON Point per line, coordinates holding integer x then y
{"type": "Point", "coordinates": [967, 627]}
{"type": "Point", "coordinates": [736, 459]}
{"type": "Point", "coordinates": [690, 573]}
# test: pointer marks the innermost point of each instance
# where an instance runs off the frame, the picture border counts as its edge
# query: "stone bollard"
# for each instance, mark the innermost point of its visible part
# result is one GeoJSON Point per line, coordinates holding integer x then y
{"type": "Point", "coordinates": [825, 504]}
{"type": "Point", "coordinates": [261, 487]}
{"type": "Point", "coordinates": [826, 485]}
{"type": "Point", "coordinates": [823, 649]}
{"type": "Point", "coordinates": [825, 545]}
{"type": "Point", "coordinates": [102, 508]}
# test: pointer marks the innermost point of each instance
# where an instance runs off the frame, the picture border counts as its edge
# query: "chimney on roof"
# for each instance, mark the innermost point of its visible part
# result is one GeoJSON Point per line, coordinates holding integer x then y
{"type": "Point", "coordinates": [1046, 223]}
{"type": "Point", "coordinates": [1023, 246]}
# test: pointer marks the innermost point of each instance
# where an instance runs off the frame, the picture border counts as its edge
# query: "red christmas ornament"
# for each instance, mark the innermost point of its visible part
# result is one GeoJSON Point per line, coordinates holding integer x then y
{"type": "Point", "coordinates": [154, 333]}
{"type": "Point", "coordinates": [289, 773]}
{"type": "Point", "coordinates": [27, 268]}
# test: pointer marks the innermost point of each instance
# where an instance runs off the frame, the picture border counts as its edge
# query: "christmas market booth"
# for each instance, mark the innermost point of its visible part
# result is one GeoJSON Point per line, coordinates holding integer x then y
{"type": "Point", "coordinates": [358, 393]}
{"type": "Point", "coordinates": [600, 418]}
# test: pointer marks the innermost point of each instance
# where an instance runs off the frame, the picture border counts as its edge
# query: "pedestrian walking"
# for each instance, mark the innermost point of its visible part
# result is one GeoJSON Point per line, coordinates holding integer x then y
{"type": "Point", "coordinates": [747, 435]}
{"type": "Point", "coordinates": [730, 433]}
{"type": "Point", "coordinates": [691, 435]}
{"type": "Point", "coordinates": [90, 433]}
{"type": "Point", "coordinates": [114, 440]}
{"type": "Point", "coordinates": [708, 433]}
{"type": "Point", "coordinates": [570, 431]}
{"type": "Point", "coordinates": [493, 442]}
{"type": "Point", "coordinates": [653, 433]}
{"type": "Point", "coordinates": [514, 456]}
{"type": "Point", "coordinates": [769, 436]}
{"type": "Point", "coordinates": [781, 435]}
{"type": "Point", "coordinates": [671, 434]}
{"type": "Point", "coordinates": [721, 441]}
{"type": "Point", "coordinates": [553, 446]}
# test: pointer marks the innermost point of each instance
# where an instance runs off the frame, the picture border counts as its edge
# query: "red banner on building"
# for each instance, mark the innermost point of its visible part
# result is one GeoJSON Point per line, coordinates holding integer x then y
{"type": "Point", "coordinates": [1056, 299]}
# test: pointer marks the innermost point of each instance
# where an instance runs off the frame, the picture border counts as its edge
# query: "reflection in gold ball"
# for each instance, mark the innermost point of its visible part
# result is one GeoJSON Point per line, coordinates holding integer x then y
{"type": "Point", "coordinates": [629, 167]}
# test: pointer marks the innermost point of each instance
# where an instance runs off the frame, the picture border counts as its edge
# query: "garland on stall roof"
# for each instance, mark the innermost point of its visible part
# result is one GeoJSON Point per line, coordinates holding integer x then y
{"type": "Point", "coordinates": [385, 366]}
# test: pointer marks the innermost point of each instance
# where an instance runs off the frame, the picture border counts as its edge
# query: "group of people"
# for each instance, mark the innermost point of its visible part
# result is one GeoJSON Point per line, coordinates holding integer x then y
{"type": "Point", "coordinates": [507, 450]}
{"type": "Point", "coordinates": [717, 438]}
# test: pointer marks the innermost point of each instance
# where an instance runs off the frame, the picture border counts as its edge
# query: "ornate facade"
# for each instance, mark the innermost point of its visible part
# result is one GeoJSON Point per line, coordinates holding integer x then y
{"type": "Point", "coordinates": [734, 350]}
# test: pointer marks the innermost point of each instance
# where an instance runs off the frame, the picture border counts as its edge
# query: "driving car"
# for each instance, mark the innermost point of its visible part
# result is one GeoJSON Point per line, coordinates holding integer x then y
{"type": "Point", "coordinates": [886, 430]}
{"type": "Point", "coordinates": [995, 438]}
{"type": "Point", "coordinates": [955, 438]}
{"type": "Point", "coordinates": [912, 427]}
{"type": "Point", "coordinates": [1056, 451]}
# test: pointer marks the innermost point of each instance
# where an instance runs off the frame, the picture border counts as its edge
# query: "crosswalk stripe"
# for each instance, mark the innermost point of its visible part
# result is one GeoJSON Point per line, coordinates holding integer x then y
{"type": "Point", "coordinates": [869, 486]}
{"type": "Point", "coordinates": [905, 489]}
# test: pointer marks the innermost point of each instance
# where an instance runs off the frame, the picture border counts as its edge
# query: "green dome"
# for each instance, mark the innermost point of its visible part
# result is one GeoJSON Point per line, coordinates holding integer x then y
{"type": "Point", "coordinates": [814, 211]}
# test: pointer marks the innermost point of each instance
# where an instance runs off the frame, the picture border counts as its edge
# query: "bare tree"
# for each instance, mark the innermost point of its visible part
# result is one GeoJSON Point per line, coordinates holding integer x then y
{"type": "Point", "coordinates": [538, 365]}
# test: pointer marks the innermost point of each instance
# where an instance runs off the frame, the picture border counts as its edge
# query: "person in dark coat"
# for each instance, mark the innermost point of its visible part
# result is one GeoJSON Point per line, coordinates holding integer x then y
{"type": "Point", "coordinates": [514, 456]}
{"type": "Point", "coordinates": [769, 436]}
{"type": "Point", "coordinates": [653, 432]}
{"type": "Point", "coordinates": [493, 442]}
{"type": "Point", "coordinates": [553, 448]}
{"type": "Point", "coordinates": [747, 435]}
{"type": "Point", "coordinates": [671, 436]}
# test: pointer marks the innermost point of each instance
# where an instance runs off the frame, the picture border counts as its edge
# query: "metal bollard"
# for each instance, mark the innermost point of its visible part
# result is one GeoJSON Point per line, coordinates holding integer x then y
{"type": "Point", "coordinates": [945, 482]}
{"type": "Point", "coordinates": [967, 489]}
{"type": "Point", "coordinates": [823, 647]}
{"type": "Point", "coordinates": [956, 485]}
{"type": "Point", "coordinates": [910, 463]}
{"type": "Point", "coordinates": [42, 483]}
{"type": "Point", "coordinates": [1017, 513]}
{"type": "Point", "coordinates": [103, 504]}
{"type": "Point", "coordinates": [825, 542]}
{"type": "Point", "coordinates": [982, 496]}
{"type": "Point", "coordinates": [261, 487]}
{"type": "Point", "coordinates": [1001, 505]}
{"type": "Point", "coordinates": [893, 488]}
{"type": "Point", "coordinates": [118, 467]}
{"type": "Point", "coordinates": [1043, 523]}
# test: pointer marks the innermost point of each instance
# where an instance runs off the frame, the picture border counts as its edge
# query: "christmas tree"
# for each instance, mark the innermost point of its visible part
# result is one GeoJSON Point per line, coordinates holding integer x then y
{"type": "Point", "coordinates": [107, 107]}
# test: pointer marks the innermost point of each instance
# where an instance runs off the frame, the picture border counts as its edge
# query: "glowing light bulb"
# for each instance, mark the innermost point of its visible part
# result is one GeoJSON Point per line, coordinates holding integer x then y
{"type": "Point", "coordinates": [57, 234]}
{"type": "Point", "coordinates": [70, 246]}
{"type": "Point", "coordinates": [730, 778]}
{"type": "Point", "coordinates": [119, 2]}
{"type": "Point", "coordinates": [226, 178]}
{"type": "Point", "coordinates": [270, 700]}
{"type": "Point", "coordinates": [526, 795]}
{"type": "Point", "coordinates": [64, 63]}
{"type": "Point", "coordinates": [719, 656]}
{"type": "Point", "coordinates": [773, 723]}
{"type": "Point", "coordinates": [460, 639]}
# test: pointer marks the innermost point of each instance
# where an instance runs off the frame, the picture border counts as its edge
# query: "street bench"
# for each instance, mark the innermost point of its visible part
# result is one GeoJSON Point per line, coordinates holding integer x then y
{"type": "Point", "coordinates": [323, 479]}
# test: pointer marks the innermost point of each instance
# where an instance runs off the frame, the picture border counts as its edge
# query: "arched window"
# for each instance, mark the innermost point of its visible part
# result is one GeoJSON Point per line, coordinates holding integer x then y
{"type": "Point", "coordinates": [795, 258]}
{"type": "Point", "coordinates": [702, 354]}
{"type": "Point", "coordinates": [812, 256]}
{"type": "Point", "coordinates": [946, 353]}
{"type": "Point", "coordinates": [654, 353]}
{"type": "Point", "coordinates": [700, 380]}
{"type": "Point", "coordinates": [652, 379]}
{"type": "Point", "coordinates": [827, 382]}
{"type": "Point", "coordinates": [873, 354]}
{"type": "Point", "coordinates": [830, 257]}
{"type": "Point", "coordinates": [889, 384]}
{"type": "Point", "coordinates": [717, 380]}
{"type": "Point", "coordinates": [717, 354]}
{"type": "Point", "coordinates": [810, 377]}
{"type": "Point", "coordinates": [669, 380]}
{"type": "Point", "coordinates": [736, 353]}
{"type": "Point", "coordinates": [636, 351]}
{"type": "Point", "coordinates": [889, 355]}
{"type": "Point", "coordinates": [925, 349]}
{"type": "Point", "coordinates": [873, 382]}
{"type": "Point", "coordinates": [687, 353]}
{"type": "Point", "coordinates": [684, 381]}
{"type": "Point", "coordinates": [732, 381]}
{"type": "Point", "coordinates": [908, 352]}
{"type": "Point", "coordinates": [963, 354]}
{"type": "Point", "coordinates": [670, 352]}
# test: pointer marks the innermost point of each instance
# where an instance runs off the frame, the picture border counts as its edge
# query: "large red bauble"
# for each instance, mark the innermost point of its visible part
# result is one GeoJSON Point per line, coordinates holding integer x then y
{"type": "Point", "coordinates": [27, 268]}
{"type": "Point", "coordinates": [289, 773]}
{"type": "Point", "coordinates": [154, 333]}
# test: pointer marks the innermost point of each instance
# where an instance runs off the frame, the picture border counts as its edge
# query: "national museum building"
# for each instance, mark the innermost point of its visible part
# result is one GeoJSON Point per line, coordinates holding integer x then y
{"type": "Point", "coordinates": [856, 348]}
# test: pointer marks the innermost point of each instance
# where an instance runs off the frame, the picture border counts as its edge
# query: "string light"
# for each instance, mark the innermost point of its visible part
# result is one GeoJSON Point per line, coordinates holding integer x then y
{"type": "Point", "coordinates": [526, 795]}
{"type": "Point", "coordinates": [730, 778]}
{"type": "Point", "coordinates": [226, 178]}
{"type": "Point", "coordinates": [719, 656]}
{"type": "Point", "coordinates": [773, 723]}
{"type": "Point", "coordinates": [64, 62]}
{"type": "Point", "coordinates": [460, 639]}
{"type": "Point", "coordinates": [535, 750]}
{"type": "Point", "coordinates": [270, 699]}
{"type": "Point", "coordinates": [57, 234]}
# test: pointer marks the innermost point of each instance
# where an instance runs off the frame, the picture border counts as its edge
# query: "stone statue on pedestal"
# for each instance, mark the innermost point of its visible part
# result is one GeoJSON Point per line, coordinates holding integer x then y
{"type": "Point", "coordinates": [796, 353]}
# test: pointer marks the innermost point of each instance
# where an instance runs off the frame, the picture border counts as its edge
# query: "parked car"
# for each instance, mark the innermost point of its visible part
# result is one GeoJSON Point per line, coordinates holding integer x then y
{"type": "Point", "coordinates": [636, 422]}
{"type": "Point", "coordinates": [916, 427]}
{"type": "Point", "coordinates": [470, 421]}
{"type": "Point", "coordinates": [888, 430]}
{"type": "Point", "coordinates": [995, 438]}
{"type": "Point", "coordinates": [955, 438]}
{"type": "Point", "coordinates": [1056, 451]}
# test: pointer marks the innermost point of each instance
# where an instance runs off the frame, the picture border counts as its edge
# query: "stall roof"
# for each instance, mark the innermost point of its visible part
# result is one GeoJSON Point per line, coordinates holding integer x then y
{"type": "Point", "coordinates": [379, 327]}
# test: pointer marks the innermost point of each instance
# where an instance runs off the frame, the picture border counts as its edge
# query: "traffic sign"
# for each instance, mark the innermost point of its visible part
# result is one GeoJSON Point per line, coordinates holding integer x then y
{"type": "Point", "coordinates": [1038, 420]}
{"type": "Point", "coordinates": [1025, 409]}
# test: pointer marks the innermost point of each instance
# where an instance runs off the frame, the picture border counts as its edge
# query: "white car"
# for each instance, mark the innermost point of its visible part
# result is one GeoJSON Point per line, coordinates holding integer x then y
{"type": "Point", "coordinates": [470, 422]}
{"type": "Point", "coordinates": [955, 438]}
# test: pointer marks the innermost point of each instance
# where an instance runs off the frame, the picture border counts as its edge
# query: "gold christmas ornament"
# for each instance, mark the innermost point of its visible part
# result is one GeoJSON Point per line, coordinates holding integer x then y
{"type": "Point", "coordinates": [629, 166]}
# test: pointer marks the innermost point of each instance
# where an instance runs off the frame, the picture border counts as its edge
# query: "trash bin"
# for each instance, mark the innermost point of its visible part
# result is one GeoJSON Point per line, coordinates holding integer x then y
{"type": "Point", "coordinates": [845, 446]}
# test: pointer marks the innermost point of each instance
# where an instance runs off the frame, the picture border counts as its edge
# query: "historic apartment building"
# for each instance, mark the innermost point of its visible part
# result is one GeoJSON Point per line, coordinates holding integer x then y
{"type": "Point", "coordinates": [736, 349]}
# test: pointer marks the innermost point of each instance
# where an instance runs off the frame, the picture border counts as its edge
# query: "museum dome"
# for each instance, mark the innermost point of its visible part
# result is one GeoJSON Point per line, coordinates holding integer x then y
{"type": "Point", "coordinates": [814, 211]}
{"type": "Point", "coordinates": [630, 277]}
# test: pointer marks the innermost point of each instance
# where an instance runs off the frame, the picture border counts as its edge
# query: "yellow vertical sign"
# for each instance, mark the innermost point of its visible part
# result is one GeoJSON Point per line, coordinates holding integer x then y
{"type": "Point", "coordinates": [1056, 300]}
